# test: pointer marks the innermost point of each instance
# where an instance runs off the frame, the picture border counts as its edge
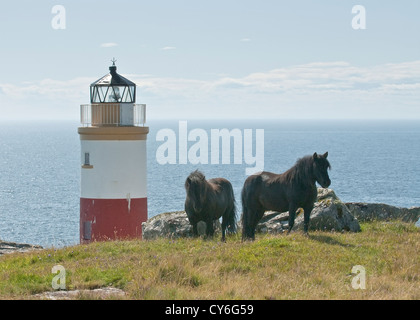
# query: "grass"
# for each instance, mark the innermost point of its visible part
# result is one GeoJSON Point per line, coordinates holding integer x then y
{"type": "Point", "coordinates": [272, 267]}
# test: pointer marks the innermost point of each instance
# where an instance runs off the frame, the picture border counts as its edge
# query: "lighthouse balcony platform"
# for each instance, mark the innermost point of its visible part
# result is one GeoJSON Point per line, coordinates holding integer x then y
{"type": "Point", "coordinates": [113, 115]}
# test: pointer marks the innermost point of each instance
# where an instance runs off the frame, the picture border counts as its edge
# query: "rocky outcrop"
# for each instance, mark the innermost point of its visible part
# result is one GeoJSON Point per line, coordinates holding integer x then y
{"type": "Point", "coordinates": [10, 247]}
{"type": "Point", "coordinates": [379, 211]}
{"type": "Point", "coordinates": [168, 225]}
{"type": "Point", "coordinates": [329, 214]}
{"type": "Point", "coordinates": [172, 225]}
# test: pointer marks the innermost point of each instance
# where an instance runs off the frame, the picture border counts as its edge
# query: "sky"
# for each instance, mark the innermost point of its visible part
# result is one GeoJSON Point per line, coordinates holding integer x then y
{"type": "Point", "coordinates": [230, 59]}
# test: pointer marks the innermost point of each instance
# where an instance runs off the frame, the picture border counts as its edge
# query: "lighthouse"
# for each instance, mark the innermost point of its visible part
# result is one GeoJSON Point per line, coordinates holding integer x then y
{"type": "Point", "coordinates": [113, 187]}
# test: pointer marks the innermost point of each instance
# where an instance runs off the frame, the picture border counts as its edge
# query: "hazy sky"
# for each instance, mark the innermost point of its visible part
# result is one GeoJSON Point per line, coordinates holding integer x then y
{"type": "Point", "coordinates": [214, 59]}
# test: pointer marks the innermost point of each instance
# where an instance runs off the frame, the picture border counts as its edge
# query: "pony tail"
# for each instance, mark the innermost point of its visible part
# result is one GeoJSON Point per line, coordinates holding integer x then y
{"type": "Point", "coordinates": [251, 208]}
{"type": "Point", "coordinates": [232, 225]}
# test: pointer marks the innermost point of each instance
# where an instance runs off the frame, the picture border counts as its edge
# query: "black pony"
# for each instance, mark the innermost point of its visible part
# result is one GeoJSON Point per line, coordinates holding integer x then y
{"type": "Point", "coordinates": [209, 200]}
{"type": "Point", "coordinates": [288, 191]}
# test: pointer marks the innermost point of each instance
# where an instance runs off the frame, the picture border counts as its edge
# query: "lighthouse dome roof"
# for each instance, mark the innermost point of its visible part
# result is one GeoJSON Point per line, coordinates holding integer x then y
{"type": "Point", "coordinates": [113, 79]}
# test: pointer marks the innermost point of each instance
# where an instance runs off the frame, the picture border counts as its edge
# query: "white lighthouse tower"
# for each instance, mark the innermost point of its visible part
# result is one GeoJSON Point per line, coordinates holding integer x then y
{"type": "Point", "coordinates": [113, 200]}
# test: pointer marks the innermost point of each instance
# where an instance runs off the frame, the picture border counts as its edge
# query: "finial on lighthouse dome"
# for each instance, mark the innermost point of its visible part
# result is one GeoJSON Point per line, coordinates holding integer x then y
{"type": "Point", "coordinates": [113, 68]}
{"type": "Point", "coordinates": [113, 88]}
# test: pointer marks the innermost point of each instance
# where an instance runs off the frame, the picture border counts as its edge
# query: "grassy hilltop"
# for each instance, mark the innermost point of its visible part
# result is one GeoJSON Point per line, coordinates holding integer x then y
{"type": "Point", "coordinates": [272, 267]}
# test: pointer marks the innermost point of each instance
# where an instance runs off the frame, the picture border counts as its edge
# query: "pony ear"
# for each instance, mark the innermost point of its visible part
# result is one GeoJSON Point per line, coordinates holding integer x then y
{"type": "Point", "coordinates": [325, 155]}
{"type": "Point", "coordinates": [188, 181]}
{"type": "Point", "coordinates": [315, 155]}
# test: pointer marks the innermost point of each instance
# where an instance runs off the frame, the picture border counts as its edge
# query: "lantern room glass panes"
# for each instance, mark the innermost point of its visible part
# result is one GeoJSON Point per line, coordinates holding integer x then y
{"type": "Point", "coordinates": [113, 94]}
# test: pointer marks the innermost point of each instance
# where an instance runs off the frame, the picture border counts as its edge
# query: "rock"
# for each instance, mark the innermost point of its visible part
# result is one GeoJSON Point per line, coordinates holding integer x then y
{"type": "Point", "coordinates": [168, 225]}
{"type": "Point", "coordinates": [172, 225]}
{"type": "Point", "coordinates": [329, 214]}
{"type": "Point", "coordinates": [418, 224]}
{"type": "Point", "coordinates": [273, 222]}
{"type": "Point", "coordinates": [100, 293]}
{"type": "Point", "coordinates": [379, 211]}
{"type": "Point", "coordinates": [10, 247]}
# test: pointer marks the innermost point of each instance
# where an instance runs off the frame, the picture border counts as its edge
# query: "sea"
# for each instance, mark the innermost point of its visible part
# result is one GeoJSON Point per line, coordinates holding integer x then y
{"type": "Point", "coordinates": [372, 161]}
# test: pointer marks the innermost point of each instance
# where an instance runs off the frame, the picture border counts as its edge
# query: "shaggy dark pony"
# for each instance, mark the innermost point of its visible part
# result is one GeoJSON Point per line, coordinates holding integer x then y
{"type": "Point", "coordinates": [288, 191]}
{"type": "Point", "coordinates": [208, 200]}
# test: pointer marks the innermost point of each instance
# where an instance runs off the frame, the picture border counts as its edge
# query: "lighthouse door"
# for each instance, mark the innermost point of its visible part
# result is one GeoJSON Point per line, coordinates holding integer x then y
{"type": "Point", "coordinates": [87, 230]}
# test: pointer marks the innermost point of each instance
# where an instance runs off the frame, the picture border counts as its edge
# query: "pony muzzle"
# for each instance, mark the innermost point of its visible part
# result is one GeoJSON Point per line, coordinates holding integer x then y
{"type": "Point", "coordinates": [326, 184]}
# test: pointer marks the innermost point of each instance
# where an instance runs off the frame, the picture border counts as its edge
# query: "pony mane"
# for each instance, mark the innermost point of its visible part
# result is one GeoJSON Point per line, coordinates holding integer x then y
{"type": "Point", "coordinates": [301, 171]}
{"type": "Point", "coordinates": [195, 176]}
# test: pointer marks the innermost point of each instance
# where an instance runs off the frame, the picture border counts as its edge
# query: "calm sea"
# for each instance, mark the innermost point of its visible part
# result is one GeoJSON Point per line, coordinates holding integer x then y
{"type": "Point", "coordinates": [372, 161]}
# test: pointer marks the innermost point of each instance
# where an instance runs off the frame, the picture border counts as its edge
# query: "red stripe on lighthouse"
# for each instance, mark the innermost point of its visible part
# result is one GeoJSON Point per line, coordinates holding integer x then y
{"type": "Point", "coordinates": [110, 219]}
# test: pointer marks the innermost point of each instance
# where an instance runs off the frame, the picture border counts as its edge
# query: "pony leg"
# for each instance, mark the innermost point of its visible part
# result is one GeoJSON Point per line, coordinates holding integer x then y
{"type": "Point", "coordinates": [292, 215]}
{"type": "Point", "coordinates": [224, 230]}
{"type": "Point", "coordinates": [306, 217]}
{"type": "Point", "coordinates": [224, 226]}
{"type": "Point", "coordinates": [210, 228]}
{"type": "Point", "coordinates": [249, 226]}
{"type": "Point", "coordinates": [195, 231]}
{"type": "Point", "coordinates": [246, 229]}
{"type": "Point", "coordinates": [229, 221]}
{"type": "Point", "coordinates": [259, 213]}
{"type": "Point", "coordinates": [248, 232]}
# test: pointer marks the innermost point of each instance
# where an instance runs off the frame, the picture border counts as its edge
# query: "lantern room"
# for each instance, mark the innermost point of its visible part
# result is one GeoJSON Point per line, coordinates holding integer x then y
{"type": "Point", "coordinates": [112, 99]}
{"type": "Point", "coordinates": [113, 88]}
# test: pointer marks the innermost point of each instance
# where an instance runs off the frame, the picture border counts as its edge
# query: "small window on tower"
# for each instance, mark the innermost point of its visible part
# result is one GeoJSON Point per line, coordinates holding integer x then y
{"type": "Point", "coordinates": [87, 164]}
{"type": "Point", "coordinates": [87, 161]}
